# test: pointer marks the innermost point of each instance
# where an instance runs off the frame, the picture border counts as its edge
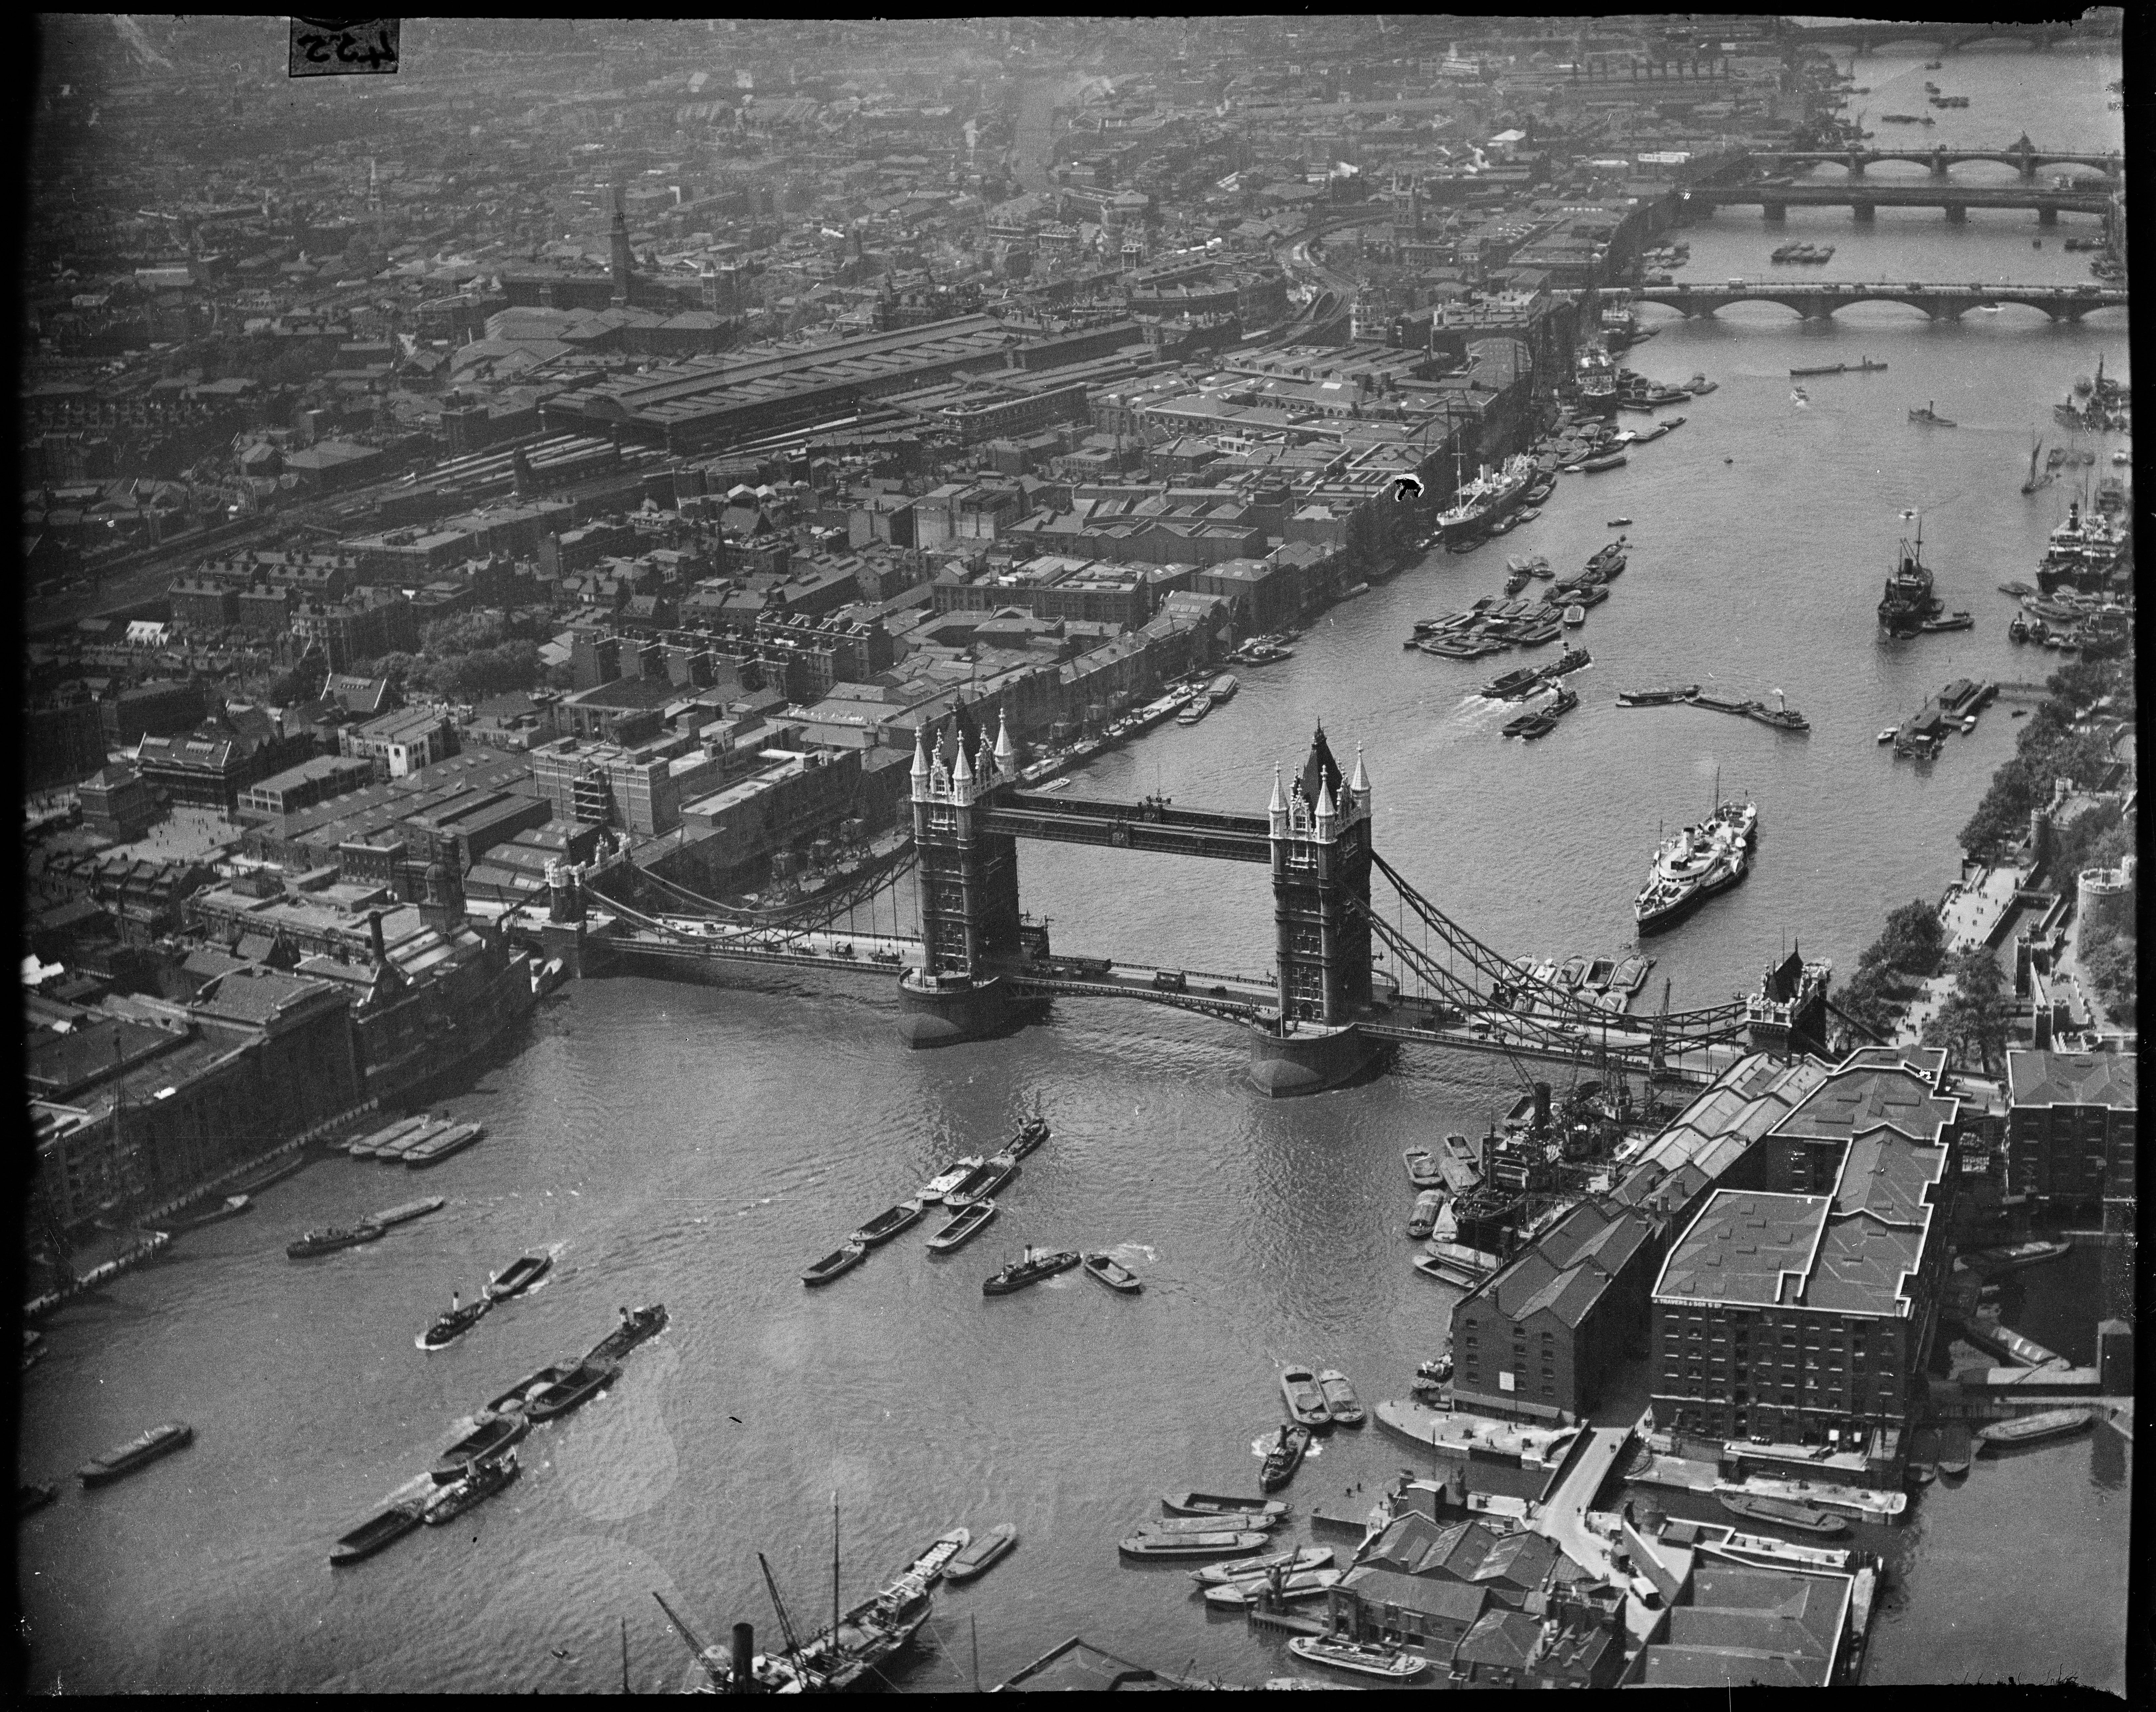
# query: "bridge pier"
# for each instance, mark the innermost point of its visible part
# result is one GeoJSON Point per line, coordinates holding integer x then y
{"type": "Point", "coordinates": [1308, 1058]}
{"type": "Point", "coordinates": [1957, 215]}
{"type": "Point", "coordinates": [2047, 216]}
{"type": "Point", "coordinates": [1867, 214]}
{"type": "Point", "coordinates": [945, 1010]}
{"type": "Point", "coordinates": [1774, 213]}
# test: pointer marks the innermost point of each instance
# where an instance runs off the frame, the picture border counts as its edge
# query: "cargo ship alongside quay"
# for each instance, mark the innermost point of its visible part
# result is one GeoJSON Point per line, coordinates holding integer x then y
{"type": "Point", "coordinates": [1483, 501]}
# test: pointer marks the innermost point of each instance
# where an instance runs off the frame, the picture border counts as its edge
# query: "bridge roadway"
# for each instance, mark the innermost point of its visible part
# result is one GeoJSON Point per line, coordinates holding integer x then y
{"type": "Point", "coordinates": [1228, 997]}
{"type": "Point", "coordinates": [1864, 196]}
{"type": "Point", "coordinates": [1817, 300]}
{"type": "Point", "coordinates": [1866, 37]}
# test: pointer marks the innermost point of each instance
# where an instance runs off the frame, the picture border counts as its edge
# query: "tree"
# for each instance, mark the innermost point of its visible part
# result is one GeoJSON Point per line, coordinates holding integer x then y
{"type": "Point", "coordinates": [2004, 814]}
{"type": "Point", "coordinates": [1976, 1017]}
{"type": "Point", "coordinates": [1914, 940]}
{"type": "Point", "coordinates": [2111, 970]}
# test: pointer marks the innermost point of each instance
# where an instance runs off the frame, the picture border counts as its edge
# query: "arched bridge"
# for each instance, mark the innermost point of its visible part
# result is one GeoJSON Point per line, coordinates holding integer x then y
{"type": "Point", "coordinates": [2024, 156]}
{"type": "Point", "coordinates": [1816, 302]}
{"type": "Point", "coordinates": [1866, 37]}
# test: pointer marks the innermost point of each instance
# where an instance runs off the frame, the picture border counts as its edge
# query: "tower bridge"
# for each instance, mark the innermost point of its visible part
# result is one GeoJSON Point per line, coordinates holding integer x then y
{"type": "Point", "coordinates": [1357, 972]}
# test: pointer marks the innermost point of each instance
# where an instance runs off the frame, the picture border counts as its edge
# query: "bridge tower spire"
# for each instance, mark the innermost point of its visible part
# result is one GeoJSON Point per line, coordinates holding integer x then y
{"type": "Point", "coordinates": [1320, 845]}
{"type": "Point", "coordinates": [968, 891]}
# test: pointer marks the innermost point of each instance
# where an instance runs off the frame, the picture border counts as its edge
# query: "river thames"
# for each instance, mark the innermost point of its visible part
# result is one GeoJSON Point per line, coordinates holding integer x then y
{"type": "Point", "coordinates": [699, 1145]}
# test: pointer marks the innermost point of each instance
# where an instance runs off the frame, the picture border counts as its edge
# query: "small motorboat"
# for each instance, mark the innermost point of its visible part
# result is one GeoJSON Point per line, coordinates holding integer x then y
{"type": "Point", "coordinates": [1112, 1273]}
{"type": "Point", "coordinates": [331, 1239]}
{"type": "Point", "coordinates": [837, 1263]}
{"type": "Point", "coordinates": [230, 1207]}
{"type": "Point", "coordinates": [1617, 523]}
{"type": "Point", "coordinates": [1224, 1543]}
{"type": "Point", "coordinates": [492, 1434]}
{"type": "Point", "coordinates": [571, 1390]}
{"type": "Point", "coordinates": [1233, 1521]}
{"type": "Point", "coordinates": [1428, 1205]}
{"type": "Point", "coordinates": [1292, 1584]}
{"type": "Point", "coordinates": [982, 1182]}
{"type": "Point", "coordinates": [1029, 1136]}
{"type": "Point", "coordinates": [393, 1524]}
{"type": "Point", "coordinates": [1029, 1269]}
{"type": "Point", "coordinates": [940, 1184]}
{"type": "Point", "coordinates": [1217, 1504]}
{"type": "Point", "coordinates": [1285, 1457]}
{"type": "Point", "coordinates": [32, 1496]}
{"type": "Point", "coordinates": [138, 1453]}
{"type": "Point", "coordinates": [1297, 1559]}
{"type": "Point", "coordinates": [1364, 1658]}
{"type": "Point", "coordinates": [963, 1229]}
{"type": "Point", "coordinates": [1305, 1402]}
{"type": "Point", "coordinates": [1778, 1512]}
{"type": "Point", "coordinates": [447, 1328]}
{"type": "Point", "coordinates": [1888, 735]}
{"type": "Point", "coordinates": [1423, 1168]}
{"type": "Point", "coordinates": [981, 1554]}
{"type": "Point", "coordinates": [888, 1223]}
{"type": "Point", "coordinates": [519, 1276]}
{"type": "Point", "coordinates": [1342, 1405]}
{"type": "Point", "coordinates": [485, 1478]}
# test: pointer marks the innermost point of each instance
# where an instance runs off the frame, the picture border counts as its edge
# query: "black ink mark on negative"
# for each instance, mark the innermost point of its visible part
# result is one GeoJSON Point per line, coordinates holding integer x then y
{"type": "Point", "coordinates": [1407, 487]}
{"type": "Point", "coordinates": [344, 47]}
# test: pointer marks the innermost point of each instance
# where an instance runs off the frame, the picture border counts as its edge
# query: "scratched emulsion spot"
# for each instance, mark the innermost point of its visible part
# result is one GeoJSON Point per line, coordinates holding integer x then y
{"type": "Point", "coordinates": [1407, 487]}
{"type": "Point", "coordinates": [617, 1456]}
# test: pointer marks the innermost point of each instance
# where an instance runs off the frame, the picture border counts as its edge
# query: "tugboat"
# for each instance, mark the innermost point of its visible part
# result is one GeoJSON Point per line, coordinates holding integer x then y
{"type": "Point", "coordinates": [487, 1478]}
{"type": "Point", "coordinates": [1931, 417]}
{"type": "Point", "coordinates": [1283, 1459]}
{"type": "Point", "coordinates": [1028, 1137]}
{"type": "Point", "coordinates": [1908, 600]}
{"type": "Point", "coordinates": [454, 1325]}
{"type": "Point", "coordinates": [330, 1240]}
{"type": "Point", "coordinates": [1030, 1269]}
{"type": "Point", "coordinates": [637, 1325]}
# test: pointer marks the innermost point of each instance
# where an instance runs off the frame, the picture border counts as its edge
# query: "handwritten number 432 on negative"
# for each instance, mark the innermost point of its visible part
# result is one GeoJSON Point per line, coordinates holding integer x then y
{"type": "Point", "coordinates": [343, 47]}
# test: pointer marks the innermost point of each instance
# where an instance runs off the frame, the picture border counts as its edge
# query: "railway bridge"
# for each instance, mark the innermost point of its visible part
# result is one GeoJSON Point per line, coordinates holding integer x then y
{"type": "Point", "coordinates": [1865, 198]}
{"type": "Point", "coordinates": [1867, 36]}
{"type": "Point", "coordinates": [1357, 971]}
{"type": "Point", "coordinates": [1820, 300]}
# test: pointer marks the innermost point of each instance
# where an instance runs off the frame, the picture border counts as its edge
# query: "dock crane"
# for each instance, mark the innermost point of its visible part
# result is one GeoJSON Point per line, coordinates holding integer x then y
{"type": "Point", "coordinates": [705, 1656]}
{"type": "Point", "coordinates": [786, 1623]}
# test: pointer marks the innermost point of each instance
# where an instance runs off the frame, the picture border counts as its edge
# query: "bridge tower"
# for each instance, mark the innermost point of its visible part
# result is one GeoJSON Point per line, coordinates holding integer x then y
{"type": "Point", "coordinates": [1320, 827]}
{"type": "Point", "coordinates": [968, 888]}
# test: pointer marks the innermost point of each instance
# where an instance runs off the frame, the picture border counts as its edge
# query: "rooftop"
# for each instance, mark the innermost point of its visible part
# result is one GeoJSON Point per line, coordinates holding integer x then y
{"type": "Point", "coordinates": [2111, 1079]}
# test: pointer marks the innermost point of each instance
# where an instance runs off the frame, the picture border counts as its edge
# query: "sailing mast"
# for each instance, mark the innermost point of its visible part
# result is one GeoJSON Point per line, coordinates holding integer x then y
{"type": "Point", "coordinates": [834, 1576]}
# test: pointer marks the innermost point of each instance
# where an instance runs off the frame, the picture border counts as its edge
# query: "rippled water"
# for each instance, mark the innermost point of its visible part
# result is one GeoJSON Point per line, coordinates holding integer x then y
{"type": "Point", "coordinates": [700, 1145]}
